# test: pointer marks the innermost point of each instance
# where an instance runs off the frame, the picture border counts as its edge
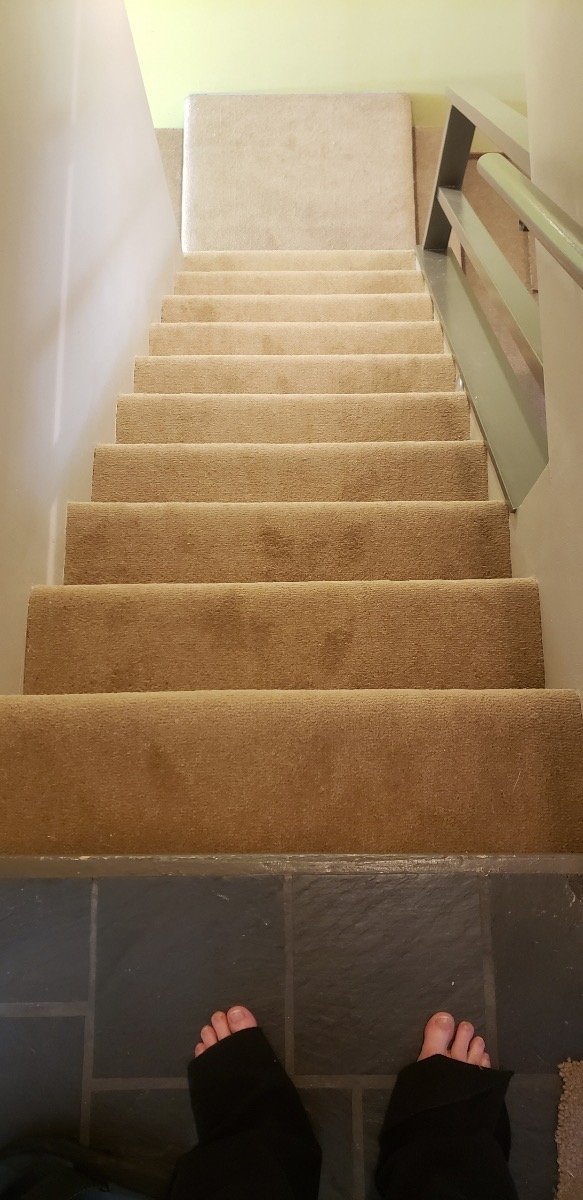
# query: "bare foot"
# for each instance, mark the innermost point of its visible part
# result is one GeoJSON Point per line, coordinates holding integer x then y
{"type": "Point", "coordinates": [222, 1026]}
{"type": "Point", "coordinates": [442, 1037]}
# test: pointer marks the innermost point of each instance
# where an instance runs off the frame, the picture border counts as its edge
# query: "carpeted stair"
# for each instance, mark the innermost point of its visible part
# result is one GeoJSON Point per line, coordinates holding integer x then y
{"type": "Point", "coordinates": [288, 621]}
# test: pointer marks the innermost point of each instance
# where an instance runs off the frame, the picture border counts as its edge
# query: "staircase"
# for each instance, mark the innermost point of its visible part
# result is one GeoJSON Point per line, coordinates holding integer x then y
{"type": "Point", "coordinates": [288, 622]}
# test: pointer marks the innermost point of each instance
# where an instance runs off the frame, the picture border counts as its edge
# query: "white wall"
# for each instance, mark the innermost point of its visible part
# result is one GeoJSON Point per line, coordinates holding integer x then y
{"type": "Point", "coordinates": [547, 533]}
{"type": "Point", "coordinates": [89, 245]}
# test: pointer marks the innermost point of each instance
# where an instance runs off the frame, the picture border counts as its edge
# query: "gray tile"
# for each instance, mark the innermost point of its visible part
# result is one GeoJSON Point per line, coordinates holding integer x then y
{"type": "Point", "coordinates": [374, 1109]}
{"type": "Point", "coordinates": [533, 1101]}
{"type": "Point", "coordinates": [44, 939]}
{"type": "Point", "coordinates": [41, 1062]}
{"type": "Point", "coordinates": [170, 952]}
{"type": "Point", "coordinates": [330, 1111]}
{"type": "Point", "coordinates": [537, 934]}
{"type": "Point", "coordinates": [150, 1127]}
{"type": "Point", "coordinates": [373, 958]}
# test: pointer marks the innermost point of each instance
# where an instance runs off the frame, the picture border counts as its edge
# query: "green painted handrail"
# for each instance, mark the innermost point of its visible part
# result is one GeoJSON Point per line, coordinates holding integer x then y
{"type": "Point", "coordinates": [492, 264]}
{"type": "Point", "coordinates": [553, 227]}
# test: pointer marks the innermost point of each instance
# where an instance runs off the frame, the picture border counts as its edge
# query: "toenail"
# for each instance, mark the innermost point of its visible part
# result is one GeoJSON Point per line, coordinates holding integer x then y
{"type": "Point", "coordinates": [236, 1013]}
{"type": "Point", "coordinates": [443, 1019]}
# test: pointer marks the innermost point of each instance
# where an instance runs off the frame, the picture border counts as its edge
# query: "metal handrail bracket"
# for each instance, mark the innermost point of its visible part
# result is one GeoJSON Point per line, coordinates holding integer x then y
{"type": "Point", "coordinates": [501, 123]}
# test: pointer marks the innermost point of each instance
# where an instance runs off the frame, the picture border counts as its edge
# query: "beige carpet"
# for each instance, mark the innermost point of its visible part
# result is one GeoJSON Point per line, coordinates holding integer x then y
{"type": "Point", "coordinates": [298, 172]}
{"type": "Point", "coordinates": [283, 472]}
{"type": "Point", "coordinates": [354, 417]}
{"type": "Point", "coordinates": [247, 771]}
{"type": "Point", "coordinates": [288, 621]}
{"type": "Point", "coordinates": [570, 1133]}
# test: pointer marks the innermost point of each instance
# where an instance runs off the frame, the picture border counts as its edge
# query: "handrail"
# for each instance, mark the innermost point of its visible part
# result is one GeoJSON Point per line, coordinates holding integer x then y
{"type": "Point", "coordinates": [517, 444]}
{"type": "Point", "coordinates": [491, 262]}
{"type": "Point", "coordinates": [553, 227]}
{"type": "Point", "coordinates": [501, 123]}
{"type": "Point", "coordinates": [510, 423]}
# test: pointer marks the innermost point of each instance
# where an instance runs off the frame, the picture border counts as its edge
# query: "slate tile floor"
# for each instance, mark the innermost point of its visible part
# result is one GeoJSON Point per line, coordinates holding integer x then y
{"type": "Point", "coordinates": [105, 981]}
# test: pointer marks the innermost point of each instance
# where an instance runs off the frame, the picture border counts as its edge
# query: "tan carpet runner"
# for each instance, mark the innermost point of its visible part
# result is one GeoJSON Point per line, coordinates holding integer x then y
{"type": "Point", "coordinates": [288, 621]}
{"type": "Point", "coordinates": [291, 283]}
{"type": "Point", "coordinates": [220, 543]}
{"type": "Point", "coordinates": [356, 417]}
{"type": "Point", "coordinates": [406, 306]}
{"type": "Point", "coordinates": [297, 472]}
{"type": "Point", "coordinates": [312, 635]}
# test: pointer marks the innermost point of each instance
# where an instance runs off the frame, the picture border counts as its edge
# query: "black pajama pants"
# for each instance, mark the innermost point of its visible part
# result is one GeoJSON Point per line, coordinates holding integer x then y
{"type": "Point", "coordinates": [446, 1134]}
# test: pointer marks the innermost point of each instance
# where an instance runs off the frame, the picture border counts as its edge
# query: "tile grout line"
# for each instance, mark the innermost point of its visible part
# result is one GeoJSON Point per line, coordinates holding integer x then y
{"type": "Point", "coordinates": [45, 1009]}
{"type": "Point", "coordinates": [330, 1082]}
{"type": "Point", "coordinates": [488, 971]}
{"type": "Point", "coordinates": [357, 1144]}
{"type": "Point", "coordinates": [89, 1041]}
{"type": "Point", "coordinates": [288, 1000]}
{"type": "Point", "coordinates": [140, 1084]}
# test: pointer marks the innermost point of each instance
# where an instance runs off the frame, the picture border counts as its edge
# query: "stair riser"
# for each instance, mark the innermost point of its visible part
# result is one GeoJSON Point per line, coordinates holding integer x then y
{"type": "Point", "coordinates": [389, 337]}
{"type": "Point", "coordinates": [332, 375]}
{"type": "Point", "coordinates": [198, 543]}
{"type": "Point", "coordinates": [293, 772]}
{"type": "Point", "coordinates": [405, 306]}
{"type": "Point", "coordinates": [419, 635]}
{"type": "Point", "coordinates": [279, 419]}
{"type": "Point", "coordinates": [335, 472]}
{"type": "Point", "coordinates": [293, 283]}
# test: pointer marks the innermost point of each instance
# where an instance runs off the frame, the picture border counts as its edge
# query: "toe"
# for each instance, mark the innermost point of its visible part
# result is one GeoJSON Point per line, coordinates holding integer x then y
{"type": "Point", "coordinates": [240, 1018]}
{"type": "Point", "coordinates": [208, 1036]}
{"type": "Point", "coordinates": [486, 1061]}
{"type": "Point", "coordinates": [438, 1034]}
{"type": "Point", "coordinates": [461, 1041]}
{"type": "Point", "coordinates": [476, 1051]}
{"type": "Point", "coordinates": [220, 1025]}
{"type": "Point", "coordinates": [199, 1049]}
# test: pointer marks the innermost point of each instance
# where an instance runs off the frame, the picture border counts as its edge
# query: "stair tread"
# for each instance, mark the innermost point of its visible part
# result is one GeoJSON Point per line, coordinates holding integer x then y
{"type": "Point", "coordinates": [300, 373]}
{"type": "Point", "coordinates": [295, 337]}
{"type": "Point", "coordinates": [246, 541]}
{"type": "Point", "coordinates": [301, 772]}
{"type": "Point", "coordinates": [170, 418]}
{"type": "Point", "coordinates": [291, 471]}
{"type": "Point", "coordinates": [290, 282]}
{"type": "Point", "coordinates": [269, 259]}
{"type": "Point", "coordinates": [377, 634]}
{"type": "Point", "coordinates": [297, 307]}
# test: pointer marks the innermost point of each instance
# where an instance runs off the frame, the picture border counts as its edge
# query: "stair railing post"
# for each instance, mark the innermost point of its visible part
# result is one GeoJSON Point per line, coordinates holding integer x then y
{"type": "Point", "coordinates": [455, 151]}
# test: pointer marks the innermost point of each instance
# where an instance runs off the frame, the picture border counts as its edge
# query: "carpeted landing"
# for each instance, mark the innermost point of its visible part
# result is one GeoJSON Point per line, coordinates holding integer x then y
{"type": "Point", "coordinates": [288, 622]}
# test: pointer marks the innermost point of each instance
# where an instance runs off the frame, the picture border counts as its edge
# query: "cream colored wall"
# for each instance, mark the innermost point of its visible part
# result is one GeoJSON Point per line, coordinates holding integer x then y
{"type": "Point", "coordinates": [89, 247]}
{"type": "Point", "coordinates": [415, 46]}
{"type": "Point", "coordinates": [547, 533]}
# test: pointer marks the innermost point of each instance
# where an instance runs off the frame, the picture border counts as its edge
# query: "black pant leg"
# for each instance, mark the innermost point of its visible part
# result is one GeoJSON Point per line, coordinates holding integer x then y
{"type": "Point", "coordinates": [446, 1134]}
{"type": "Point", "coordinates": [255, 1140]}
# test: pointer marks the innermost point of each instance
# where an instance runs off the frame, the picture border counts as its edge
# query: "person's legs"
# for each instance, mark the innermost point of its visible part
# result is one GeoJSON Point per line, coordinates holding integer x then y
{"type": "Point", "coordinates": [255, 1140]}
{"type": "Point", "coordinates": [446, 1134]}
